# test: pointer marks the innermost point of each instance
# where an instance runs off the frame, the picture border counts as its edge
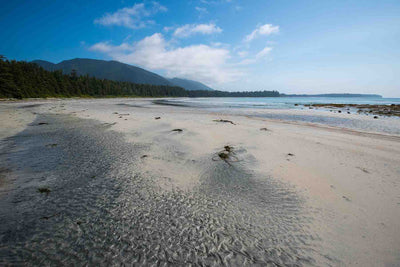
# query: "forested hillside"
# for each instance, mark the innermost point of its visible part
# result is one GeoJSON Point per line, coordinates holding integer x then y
{"type": "Point", "coordinates": [19, 79]}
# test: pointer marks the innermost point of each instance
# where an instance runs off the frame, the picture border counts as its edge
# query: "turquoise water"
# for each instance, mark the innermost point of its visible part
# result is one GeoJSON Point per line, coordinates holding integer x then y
{"type": "Point", "coordinates": [279, 102]}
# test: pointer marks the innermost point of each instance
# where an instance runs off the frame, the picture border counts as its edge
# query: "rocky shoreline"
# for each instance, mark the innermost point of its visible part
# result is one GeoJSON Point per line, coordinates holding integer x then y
{"type": "Point", "coordinates": [383, 110]}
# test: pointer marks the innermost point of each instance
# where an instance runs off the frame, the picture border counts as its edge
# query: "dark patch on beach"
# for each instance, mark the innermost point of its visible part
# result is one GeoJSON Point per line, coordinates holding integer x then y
{"type": "Point", "coordinates": [363, 169]}
{"type": "Point", "coordinates": [227, 155]}
{"type": "Point", "coordinates": [346, 198]}
{"type": "Point", "coordinates": [131, 105]}
{"type": "Point", "coordinates": [30, 106]}
{"type": "Point", "coordinates": [226, 121]}
{"type": "Point", "coordinates": [177, 130]}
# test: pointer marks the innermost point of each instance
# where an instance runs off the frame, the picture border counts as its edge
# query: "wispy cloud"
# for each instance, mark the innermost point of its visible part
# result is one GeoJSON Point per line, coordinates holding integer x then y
{"type": "Point", "coordinates": [264, 52]}
{"type": "Point", "coordinates": [200, 62]}
{"type": "Point", "coordinates": [266, 29]}
{"type": "Point", "coordinates": [191, 29]}
{"type": "Point", "coordinates": [202, 10]}
{"type": "Point", "coordinates": [132, 17]}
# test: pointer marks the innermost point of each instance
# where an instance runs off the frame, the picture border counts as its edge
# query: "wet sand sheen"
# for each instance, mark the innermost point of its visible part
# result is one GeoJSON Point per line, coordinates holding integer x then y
{"type": "Point", "coordinates": [100, 209]}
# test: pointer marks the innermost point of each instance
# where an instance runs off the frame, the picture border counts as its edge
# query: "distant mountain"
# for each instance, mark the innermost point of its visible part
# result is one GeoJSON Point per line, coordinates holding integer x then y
{"type": "Point", "coordinates": [190, 85]}
{"type": "Point", "coordinates": [111, 70]}
{"type": "Point", "coordinates": [117, 71]}
{"type": "Point", "coordinates": [336, 95]}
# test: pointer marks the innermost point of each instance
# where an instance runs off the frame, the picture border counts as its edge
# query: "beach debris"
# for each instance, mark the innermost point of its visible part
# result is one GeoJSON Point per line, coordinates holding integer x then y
{"type": "Point", "coordinates": [115, 113]}
{"type": "Point", "coordinates": [290, 154]}
{"type": "Point", "coordinates": [346, 198]}
{"type": "Point", "coordinates": [227, 121]}
{"type": "Point", "coordinates": [144, 156]}
{"type": "Point", "coordinates": [79, 222]}
{"type": "Point", "coordinates": [375, 117]}
{"type": "Point", "coordinates": [51, 145]}
{"type": "Point", "coordinates": [339, 111]}
{"type": "Point", "coordinates": [363, 169]}
{"type": "Point", "coordinates": [296, 105]}
{"type": "Point", "coordinates": [44, 190]}
{"type": "Point", "coordinates": [263, 129]}
{"type": "Point", "coordinates": [177, 130]}
{"type": "Point", "coordinates": [109, 124]}
{"type": "Point", "coordinates": [157, 118]}
{"type": "Point", "coordinates": [126, 114]}
{"type": "Point", "coordinates": [42, 123]}
{"type": "Point", "coordinates": [227, 155]}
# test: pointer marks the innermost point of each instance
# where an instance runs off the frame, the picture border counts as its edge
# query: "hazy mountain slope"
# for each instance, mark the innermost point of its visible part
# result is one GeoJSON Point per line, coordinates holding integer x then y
{"type": "Point", "coordinates": [111, 70]}
{"type": "Point", "coordinates": [189, 84]}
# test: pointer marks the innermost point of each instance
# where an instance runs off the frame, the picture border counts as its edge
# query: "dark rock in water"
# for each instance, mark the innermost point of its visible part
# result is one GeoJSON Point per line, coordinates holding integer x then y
{"type": "Point", "coordinates": [375, 117]}
{"type": "Point", "coordinates": [339, 111]}
{"type": "Point", "coordinates": [177, 130]}
{"type": "Point", "coordinates": [296, 105]}
{"type": "Point", "coordinates": [51, 145]}
{"type": "Point", "coordinates": [44, 190]}
{"type": "Point", "coordinates": [348, 112]}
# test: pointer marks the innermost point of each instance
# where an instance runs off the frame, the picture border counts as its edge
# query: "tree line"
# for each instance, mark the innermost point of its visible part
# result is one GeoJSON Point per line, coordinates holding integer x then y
{"type": "Point", "coordinates": [20, 79]}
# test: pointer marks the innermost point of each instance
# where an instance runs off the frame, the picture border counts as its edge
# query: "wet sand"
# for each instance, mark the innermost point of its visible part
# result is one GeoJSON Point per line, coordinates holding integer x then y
{"type": "Point", "coordinates": [126, 189]}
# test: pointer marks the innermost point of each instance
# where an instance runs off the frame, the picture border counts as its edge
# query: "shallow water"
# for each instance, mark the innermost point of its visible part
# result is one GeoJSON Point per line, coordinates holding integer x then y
{"type": "Point", "coordinates": [278, 102]}
{"type": "Point", "coordinates": [101, 210]}
{"type": "Point", "coordinates": [284, 108]}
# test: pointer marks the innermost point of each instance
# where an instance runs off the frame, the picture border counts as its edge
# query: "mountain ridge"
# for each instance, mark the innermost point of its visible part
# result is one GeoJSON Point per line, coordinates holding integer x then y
{"type": "Point", "coordinates": [117, 71]}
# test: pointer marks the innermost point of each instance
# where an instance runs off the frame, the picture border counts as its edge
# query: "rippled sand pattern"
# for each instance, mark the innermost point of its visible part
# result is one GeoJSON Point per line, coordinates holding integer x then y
{"type": "Point", "coordinates": [101, 210]}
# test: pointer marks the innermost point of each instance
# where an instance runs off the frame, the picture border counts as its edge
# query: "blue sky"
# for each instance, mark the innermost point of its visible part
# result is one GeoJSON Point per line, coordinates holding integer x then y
{"type": "Point", "coordinates": [289, 46]}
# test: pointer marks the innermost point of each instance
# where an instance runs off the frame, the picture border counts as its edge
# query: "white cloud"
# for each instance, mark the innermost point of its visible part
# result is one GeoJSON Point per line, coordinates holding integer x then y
{"type": "Point", "coordinates": [201, 10]}
{"type": "Point", "coordinates": [190, 29]}
{"type": "Point", "coordinates": [264, 52]}
{"type": "Point", "coordinates": [266, 29]}
{"type": "Point", "coordinates": [253, 59]}
{"type": "Point", "coordinates": [131, 17]}
{"type": "Point", "coordinates": [198, 62]}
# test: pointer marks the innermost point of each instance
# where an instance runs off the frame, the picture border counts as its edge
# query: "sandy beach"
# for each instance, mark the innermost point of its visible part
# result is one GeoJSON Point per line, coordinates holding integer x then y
{"type": "Point", "coordinates": [133, 182]}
